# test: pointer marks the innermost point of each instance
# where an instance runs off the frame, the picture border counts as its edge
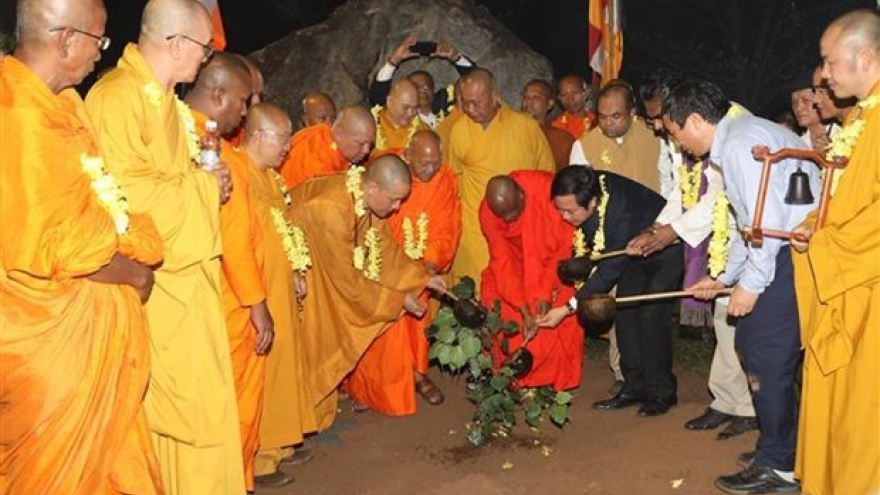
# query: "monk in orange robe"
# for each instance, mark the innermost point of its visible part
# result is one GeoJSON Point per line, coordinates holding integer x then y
{"type": "Point", "coordinates": [74, 269]}
{"type": "Point", "coordinates": [576, 119]}
{"type": "Point", "coordinates": [360, 280]}
{"type": "Point", "coordinates": [527, 238]}
{"type": "Point", "coordinates": [317, 108]}
{"type": "Point", "coordinates": [323, 150]}
{"type": "Point", "coordinates": [398, 120]}
{"type": "Point", "coordinates": [248, 322]}
{"type": "Point", "coordinates": [537, 101]}
{"type": "Point", "coordinates": [395, 366]}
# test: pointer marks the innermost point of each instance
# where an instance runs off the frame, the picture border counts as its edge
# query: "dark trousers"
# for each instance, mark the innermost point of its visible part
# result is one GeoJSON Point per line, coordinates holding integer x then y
{"type": "Point", "coordinates": [644, 329]}
{"type": "Point", "coordinates": [768, 342]}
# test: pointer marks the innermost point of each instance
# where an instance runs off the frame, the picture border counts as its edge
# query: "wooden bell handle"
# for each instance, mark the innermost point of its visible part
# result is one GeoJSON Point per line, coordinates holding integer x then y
{"type": "Point", "coordinates": [664, 295]}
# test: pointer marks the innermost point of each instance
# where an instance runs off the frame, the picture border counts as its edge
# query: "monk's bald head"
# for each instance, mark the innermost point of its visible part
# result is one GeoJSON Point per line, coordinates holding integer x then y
{"type": "Point", "coordinates": [163, 18]}
{"type": "Point", "coordinates": [479, 98]}
{"type": "Point", "coordinates": [354, 132]}
{"type": "Point", "coordinates": [257, 83]}
{"type": "Point", "coordinates": [573, 93]}
{"type": "Point", "coordinates": [34, 18]}
{"type": "Point", "coordinates": [317, 108]}
{"type": "Point", "coordinates": [267, 135]}
{"type": "Point", "coordinates": [386, 184]}
{"type": "Point", "coordinates": [402, 103]}
{"type": "Point", "coordinates": [505, 198]}
{"type": "Point", "coordinates": [222, 91]}
{"type": "Point", "coordinates": [850, 49]}
{"type": "Point", "coordinates": [424, 155]}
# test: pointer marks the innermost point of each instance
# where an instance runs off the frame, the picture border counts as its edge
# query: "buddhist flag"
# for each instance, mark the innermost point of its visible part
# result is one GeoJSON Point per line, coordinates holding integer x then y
{"type": "Point", "coordinates": [219, 35]}
{"type": "Point", "coordinates": [606, 38]}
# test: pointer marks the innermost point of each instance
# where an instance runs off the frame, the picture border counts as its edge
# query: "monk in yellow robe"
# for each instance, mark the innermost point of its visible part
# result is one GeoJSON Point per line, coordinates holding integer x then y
{"type": "Point", "coordinates": [74, 268]}
{"type": "Point", "coordinates": [323, 150]}
{"type": "Point", "coordinates": [574, 93]}
{"type": "Point", "coordinates": [361, 280]}
{"type": "Point", "coordinates": [837, 280]}
{"type": "Point", "coordinates": [151, 143]}
{"type": "Point", "coordinates": [398, 120]}
{"type": "Point", "coordinates": [492, 140]}
{"type": "Point", "coordinates": [428, 227]}
{"type": "Point", "coordinates": [317, 108]}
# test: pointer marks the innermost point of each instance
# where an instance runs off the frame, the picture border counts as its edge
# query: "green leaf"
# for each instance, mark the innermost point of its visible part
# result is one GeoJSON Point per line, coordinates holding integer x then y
{"type": "Point", "coordinates": [510, 328]}
{"type": "Point", "coordinates": [499, 382]}
{"type": "Point", "coordinates": [563, 398]}
{"type": "Point", "coordinates": [509, 419]}
{"type": "Point", "coordinates": [457, 358]}
{"type": "Point", "coordinates": [505, 346]}
{"type": "Point", "coordinates": [470, 344]}
{"type": "Point", "coordinates": [559, 414]}
{"type": "Point", "coordinates": [465, 288]}
{"type": "Point", "coordinates": [446, 335]}
{"type": "Point", "coordinates": [484, 361]}
{"type": "Point", "coordinates": [444, 354]}
{"type": "Point", "coordinates": [445, 318]}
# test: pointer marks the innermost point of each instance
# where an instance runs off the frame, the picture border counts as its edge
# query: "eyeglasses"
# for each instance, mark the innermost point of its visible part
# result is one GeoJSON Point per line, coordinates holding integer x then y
{"type": "Point", "coordinates": [103, 41]}
{"type": "Point", "coordinates": [285, 137]}
{"type": "Point", "coordinates": [209, 50]}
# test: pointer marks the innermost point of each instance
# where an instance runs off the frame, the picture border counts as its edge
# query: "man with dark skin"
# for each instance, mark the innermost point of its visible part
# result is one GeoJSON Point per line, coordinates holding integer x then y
{"type": "Point", "coordinates": [574, 95]}
{"type": "Point", "coordinates": [317, 108]}
{"type": "Point", "coordinates": [537, 101]}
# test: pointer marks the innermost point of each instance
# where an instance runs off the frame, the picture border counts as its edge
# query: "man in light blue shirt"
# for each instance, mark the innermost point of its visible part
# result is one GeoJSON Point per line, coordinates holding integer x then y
{"type": "Point", "coordinates": [763, 297]}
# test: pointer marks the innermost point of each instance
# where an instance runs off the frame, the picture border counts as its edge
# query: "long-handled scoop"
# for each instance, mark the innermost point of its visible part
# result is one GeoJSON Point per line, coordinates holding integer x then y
{"type": "Point", "coordinates": [467, 311]}
{"type": "Point", "coordinates": [601, 308]}
{"type": "Point", "coordinates": [619, 252]}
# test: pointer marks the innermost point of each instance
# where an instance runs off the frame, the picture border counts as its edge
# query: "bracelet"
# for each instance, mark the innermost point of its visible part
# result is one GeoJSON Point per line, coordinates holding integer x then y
{"type": "Point", "coordinates": [650, 230]}
{"type": "Point", "coordinates": [391, 63]}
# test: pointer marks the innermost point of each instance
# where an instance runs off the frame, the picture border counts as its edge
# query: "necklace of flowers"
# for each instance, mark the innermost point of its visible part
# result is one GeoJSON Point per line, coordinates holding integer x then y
{"type": "Point", "coordinates": [366, 258]}
{"type": "Point", "coordinates": [293, 240]}
{"type": "Point", "coordinates": [282, 186]}
{"type": "Point", "coordinates": [415, 248]}
{"type": "Point", "coordinates": [599, 237]}
{"type": "Point", "coordinates": [844, 142]}
{"type": "Point", "coordinates": [690, 183]}
{"type": "Point", "coordinates": [155, 97]}
{"type": "Point", "coordinates": [380, 136]}
{"type": "Point", "coordinates": [720, 236]}
{"type": "Point", "coordinates": [109, 194]}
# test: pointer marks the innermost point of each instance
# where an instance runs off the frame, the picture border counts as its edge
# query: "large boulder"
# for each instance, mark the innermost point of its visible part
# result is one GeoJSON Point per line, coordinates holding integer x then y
{"type": "Point", "coordinates": [341, 55]}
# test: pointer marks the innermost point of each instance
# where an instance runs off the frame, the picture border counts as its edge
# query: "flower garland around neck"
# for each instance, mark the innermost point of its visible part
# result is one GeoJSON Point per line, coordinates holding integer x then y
{"type": "Point", "coordinates": [155, 97]}
{"type": "Point", "coordinates": [579, 243]}
{"type": "Point", "coordinates": [366, 258]}
{"type": "Point", "coordinates": [718, 243]}
{"type": "Point", "coordinates": [601, 209]}
{"type": "Point", "coordinates": [845, 141]}
{"type": "Point", "coordinates": [109, 194]}
{"type": "Point", "coordinates": [293, 240]}
{"type": "Point", "coordinates": [282, 186]}
{"type": "Point", "coordinates": [690, 184]}
{"type": "Point", "coordinates": [412, 246]}
{"type": "Point", "coordinates": [381, 142]}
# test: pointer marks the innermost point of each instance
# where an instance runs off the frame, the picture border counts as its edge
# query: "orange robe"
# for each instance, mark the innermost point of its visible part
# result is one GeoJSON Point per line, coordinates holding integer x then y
{"type": "Point", "coordinates": [74, 353]}
{"type": "Point", "coordinates": [560, 144]}
{"type": "Point", "coordinates": [390, 137]}
{"type": "Point", "coordinates": [383, 378]}
{"type": "Point", "coordinates": [522, 271]}
{"type": "Point", "coordinates": [444, 130]}
{"type": "Point", "coordinates": [574, 125]}
{"type": "Point", "coordinates": [344, 311]}
{"type": "Point", "coordinates": [312, 154]}
{"type": "Point", "coordinates": [241, 285]}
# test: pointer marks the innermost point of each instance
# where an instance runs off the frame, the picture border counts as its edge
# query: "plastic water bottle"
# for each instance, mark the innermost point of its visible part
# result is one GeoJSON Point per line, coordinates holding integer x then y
{"type": "Point", "coordinates": [209, 156]}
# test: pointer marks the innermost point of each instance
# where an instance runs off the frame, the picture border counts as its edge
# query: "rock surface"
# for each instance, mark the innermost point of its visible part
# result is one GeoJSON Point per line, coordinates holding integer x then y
{"type": "Point", "coordinates": [341, 55]}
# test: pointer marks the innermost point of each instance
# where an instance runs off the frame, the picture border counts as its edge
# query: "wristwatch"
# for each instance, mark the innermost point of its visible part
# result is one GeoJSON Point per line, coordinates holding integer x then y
{"type": "Point", "coordinates": [571, 305]}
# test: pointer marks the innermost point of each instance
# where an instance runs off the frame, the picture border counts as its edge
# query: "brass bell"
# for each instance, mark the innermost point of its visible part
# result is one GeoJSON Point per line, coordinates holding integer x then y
{"type": "Point", "coordinates": [799, 189]}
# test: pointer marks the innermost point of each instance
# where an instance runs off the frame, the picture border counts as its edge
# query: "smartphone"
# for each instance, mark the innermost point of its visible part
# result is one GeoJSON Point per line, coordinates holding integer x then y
{"type": "Point", "coordinates": [424, 48]}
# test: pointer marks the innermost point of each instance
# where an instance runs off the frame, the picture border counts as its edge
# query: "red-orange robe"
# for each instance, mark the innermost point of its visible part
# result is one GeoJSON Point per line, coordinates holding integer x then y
{"type": "Point", "coordinates": [560, 144]}
{"type": "Point", "coordinates": [74, 354]}
{"type": "Point", "coordinates": [523, 256]}
{"type": "Point", "coordinates": [574, 125]}
{"type": "Point", "coordinates": [312, 154]}
{"type": "Point", "coordinates": [383, 378]}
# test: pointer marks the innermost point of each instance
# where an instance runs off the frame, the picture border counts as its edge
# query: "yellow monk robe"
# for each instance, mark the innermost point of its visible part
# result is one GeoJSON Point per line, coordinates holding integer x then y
{"type": "Point", "coordinates": [390, 137]}
{"type": "Point", "coordinates": [190, 401]}
{"type": "Point", "coordinates": [344, 311]}
{"type": "Point", "coordinates": [838, 288]}
{"type": "Point", "coordinates": [635, 156]}
{"type": "Point", "coordinates": [444, 130]}
{"type": "Point", "coordinates": [513, 141]}
{"type": "Point", "coordinates": [288, 413]}
{"type": "Point", "coordinates": [383, 378]}
{"type": "Point", "coordinates": [74, 353]}
{"type": "Point", "coordinates": [312, 154]}
{"type": "Point", "coordinates": [241, 284]}
{"type": "Point", "coordinates": [574, 125]}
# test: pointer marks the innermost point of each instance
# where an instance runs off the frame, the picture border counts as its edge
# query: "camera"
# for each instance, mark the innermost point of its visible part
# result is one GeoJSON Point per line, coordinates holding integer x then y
{"type": "Point", "coordinates": [424, 48]}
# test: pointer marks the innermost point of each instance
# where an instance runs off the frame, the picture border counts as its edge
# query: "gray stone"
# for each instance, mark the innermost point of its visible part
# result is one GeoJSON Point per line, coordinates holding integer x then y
{"type": "Point", "coordinates": [341, 55]}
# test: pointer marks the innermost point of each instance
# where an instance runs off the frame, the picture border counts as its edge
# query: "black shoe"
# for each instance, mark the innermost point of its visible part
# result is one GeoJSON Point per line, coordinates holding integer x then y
{"type": "Point", "coordinates": [756, 480]}
{"type": "Point", "coordinates": [656, 406]}
{"type": "Point", "coordinates": [616, 387]}
{"type": "Point", "coordinates": [745, 459]}
{"type": "Point", "coordinates": [738, 426]}
{"type": "Point", "coordinates": [710, 420]}
{"type": "Point", "coordinates": [299, 457]}
{"type": "Point", "coordinates": [619, 401]}
{"type": "Point", "coordinates": [274, 480]}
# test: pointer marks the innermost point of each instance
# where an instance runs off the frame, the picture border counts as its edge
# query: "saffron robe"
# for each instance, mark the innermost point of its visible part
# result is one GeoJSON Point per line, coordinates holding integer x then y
{"type": "Point", "coordinates": [444, 130]}
{"type": "Point", "coordinates": [190, 401]}
{"type": "Point", "coordinates": [635, 156]}
{"type": "Point", "coordinates": [522, 271]}
{"type": "Point", "coordinates": [838, 287]}
{"type": "Point", "coordinates": [560, 144]}
{"type": "Point", "coordinates": [383, 378]}
{"type": "Point", "coordinates": [512, 141]}
{"type": "Point", "coordinates": [312, 154]}
{"type": "Point", "coordinates": [344, 311]}
{"type": "Point", "coordinates": [574, 125]}
{"type": "Point", "coordinates": [74, 353]}
{"type": "Point", "coordinates": [389, 137]}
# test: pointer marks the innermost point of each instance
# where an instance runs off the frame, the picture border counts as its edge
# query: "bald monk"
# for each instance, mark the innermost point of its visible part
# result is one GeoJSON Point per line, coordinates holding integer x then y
{"type": "Point", "coordinates": [395, 367]}
{"type": "Point", "coordinates": [527, 238]}
{"type": "Point", "coordinates": [343, 215]}
{"type": "Point", "coordinates": [220, 93]}
{"type": "Point", "coordinates": [150, 142]}
{"type": "Point", "coordinates": [538, 101]}
{"type": "Point", "coordinates": [574, 93]}
{"type": "Point", "coordinates": [837, 276]}
{"type": "Point", "coordinates": [492, 140]}
{"type": "Point", "coordinates": [317, 108]}
{"type": "Point", "coordinates": [322, 150]}
{"type": "Point", "coordinates": [74, 270]}
{"type": "Point", "coordinates": [257, 85]}
{"type": "Point", "coordinates": [397, 121]}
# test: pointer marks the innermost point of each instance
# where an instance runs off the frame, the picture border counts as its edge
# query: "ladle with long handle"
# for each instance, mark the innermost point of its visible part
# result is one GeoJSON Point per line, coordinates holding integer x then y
{"type": "Point", "coordinates": [619, 252]}
{"type": "Point", "coordinates": [663, 295]}
{"type": "Point", "coordinates": [598, 308]}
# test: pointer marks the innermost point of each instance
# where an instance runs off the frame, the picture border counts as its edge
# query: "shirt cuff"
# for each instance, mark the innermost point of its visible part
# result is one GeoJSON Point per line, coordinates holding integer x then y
{"type": "Point", "coordinates": [386, 72]}
{"type": "Point", "coordinates": [463, 61]}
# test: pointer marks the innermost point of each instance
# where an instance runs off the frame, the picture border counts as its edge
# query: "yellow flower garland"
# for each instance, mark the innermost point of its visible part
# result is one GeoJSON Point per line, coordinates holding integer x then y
{"type": "Point", "coordinates": [844, 142]}
{"type": "Point", "coordinates": [690, 184]}
{"type": "Point", "coordinates": [153, 93]}
{"type": "Point", "coordinates": [381, 143]}
{"type": "Point", "coordinates": [579, 243]}
{"type": "Point", "coordinates": [720, 236]}
{"type": "Point", "coordinates": [155, 97]}
{"type": "Point", "coordinates": [282, 186]}
{"type": "Point", "coordinates": [293, 240]}
{"type": "Point", "coordinates": [415, 249]}
{"type": "Point", "coordinates": [353, 186]}
{"type": "Point", "coordinates": [599, 238]}
{"type": "Point", "coordinates": [109, 194]}
{"type": "Point", "coordinates": [374, 254]}
{"type": "Point", "coordinates": [366, 258]}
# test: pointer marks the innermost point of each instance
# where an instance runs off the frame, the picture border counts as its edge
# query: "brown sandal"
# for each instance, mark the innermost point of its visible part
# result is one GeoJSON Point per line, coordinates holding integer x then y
{"type": "Point", "coordinates": [432, 395]}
